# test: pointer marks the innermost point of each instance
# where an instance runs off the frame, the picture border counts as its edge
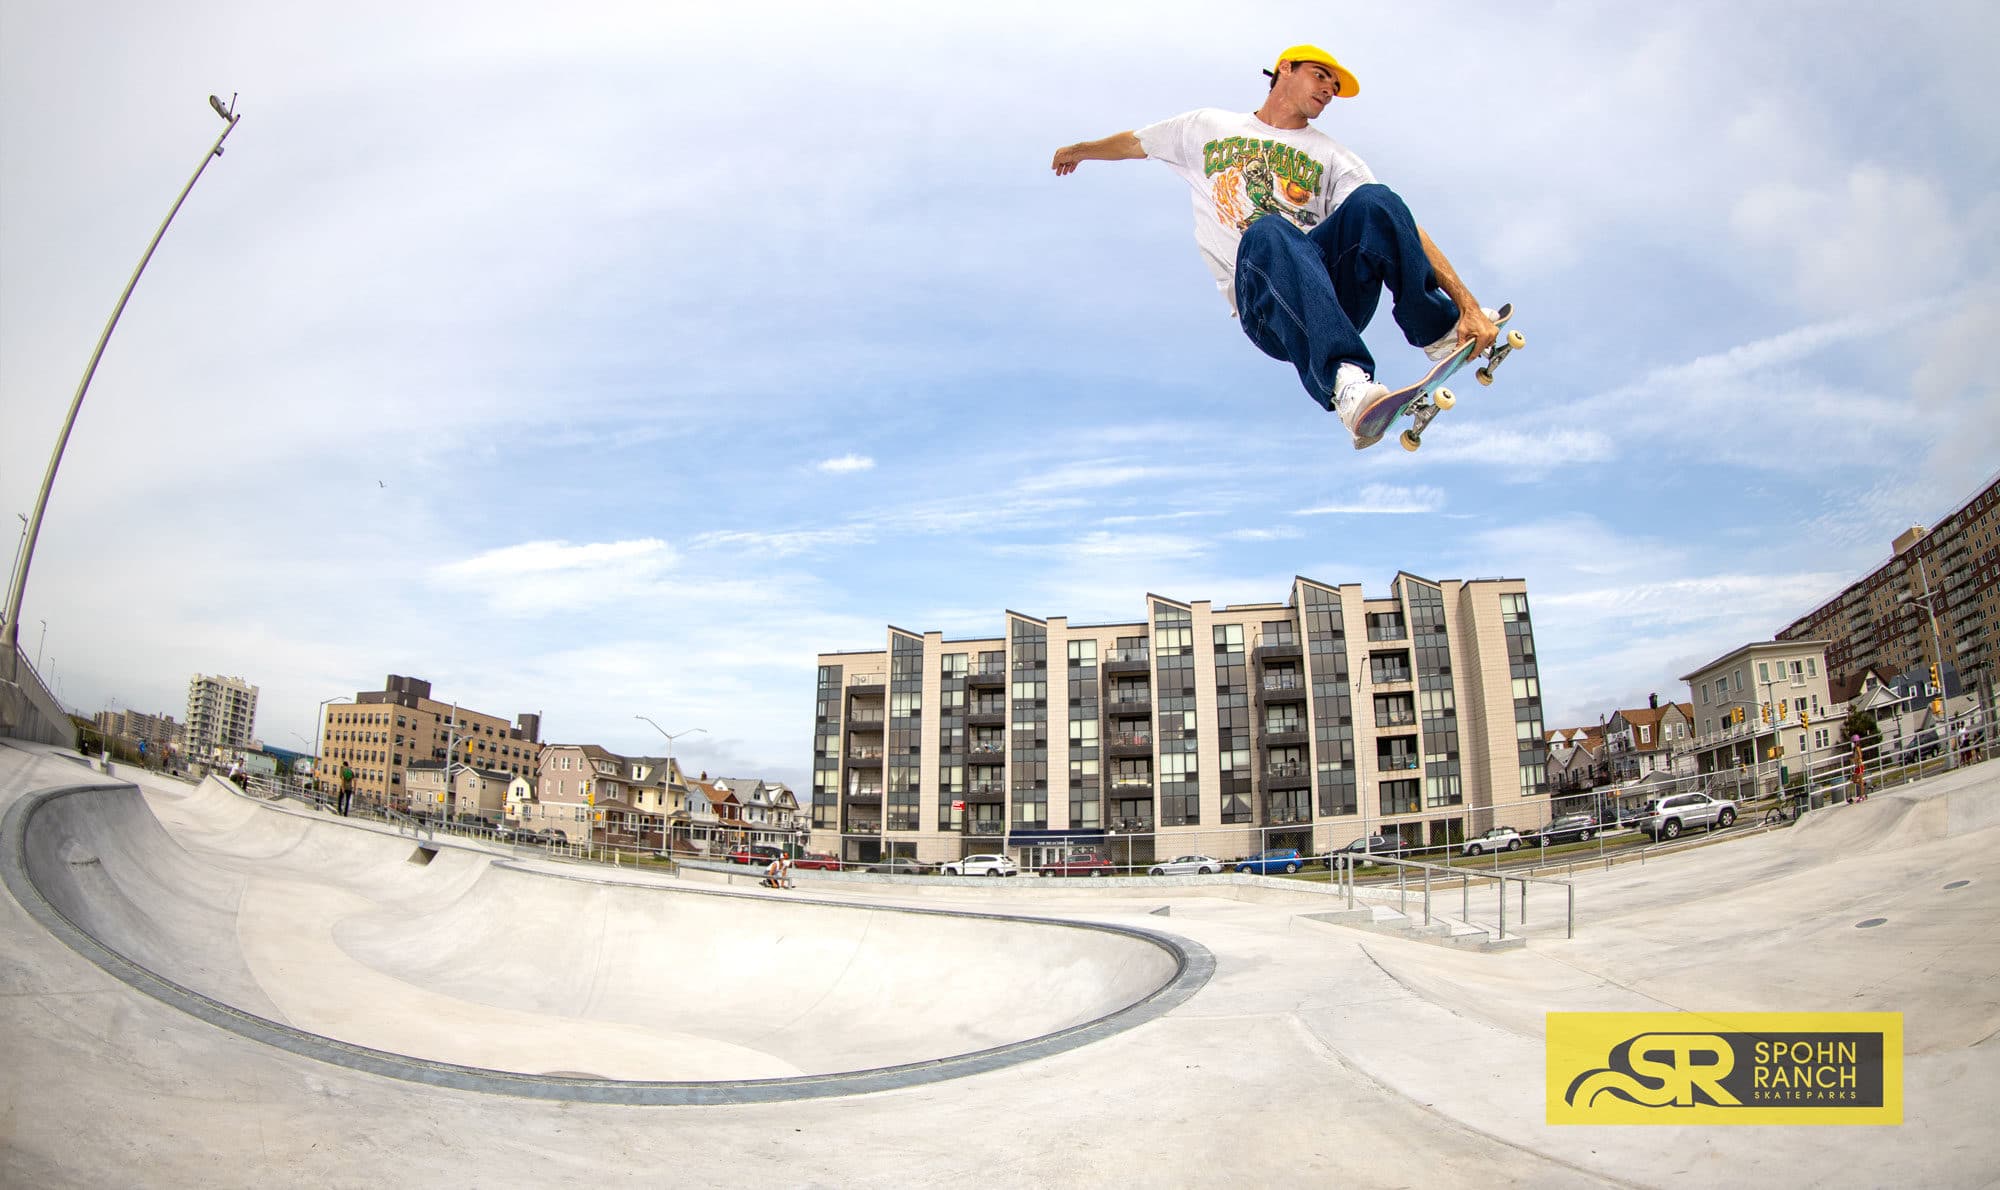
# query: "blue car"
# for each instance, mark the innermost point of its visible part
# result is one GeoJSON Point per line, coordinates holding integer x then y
{"type": "Point", "coordinates": [1269, 863]}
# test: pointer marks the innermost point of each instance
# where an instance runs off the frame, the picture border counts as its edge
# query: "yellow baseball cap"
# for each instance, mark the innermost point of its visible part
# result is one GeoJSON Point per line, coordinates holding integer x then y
{"type": "Point", "coordinates": [1346, 86]}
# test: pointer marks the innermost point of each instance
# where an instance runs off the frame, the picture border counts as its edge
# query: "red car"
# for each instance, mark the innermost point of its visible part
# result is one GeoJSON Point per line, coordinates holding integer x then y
{"type": "Point", "coordinates": [819, 860]}
{"type": "Point", "coordinates": [1079, 863]}
{"type": "Point", "coordinates": [757, 853]}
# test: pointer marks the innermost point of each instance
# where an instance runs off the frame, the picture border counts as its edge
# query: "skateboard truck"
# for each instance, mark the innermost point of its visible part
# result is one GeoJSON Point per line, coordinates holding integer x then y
{"type": "Point", "coordinates": [1433, 398]}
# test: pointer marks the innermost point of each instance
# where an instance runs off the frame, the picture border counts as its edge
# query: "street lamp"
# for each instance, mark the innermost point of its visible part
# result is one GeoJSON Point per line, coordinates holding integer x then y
{"type": "Point", "coordinates": [319, 745]}
{"type": "Point", "coordinates": [10, 628]}
{"type": "Point", "coordinates": [666, 841]}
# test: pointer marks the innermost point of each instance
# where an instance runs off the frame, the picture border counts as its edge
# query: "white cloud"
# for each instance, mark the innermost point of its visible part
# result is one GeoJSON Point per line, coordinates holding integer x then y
{"type": "Point", "coordinates": [1378, 499]}
{"type": "Point", "coordinates": [542, 577]}
{"type": "Point", "coordinates": [847, 464]}
{"type": "Point", "coordinates": [1874, 236]}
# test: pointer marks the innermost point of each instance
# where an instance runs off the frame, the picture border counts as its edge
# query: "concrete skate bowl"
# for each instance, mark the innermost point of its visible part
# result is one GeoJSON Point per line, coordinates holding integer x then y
{"type": "Point", "coordinates": [452, 966]}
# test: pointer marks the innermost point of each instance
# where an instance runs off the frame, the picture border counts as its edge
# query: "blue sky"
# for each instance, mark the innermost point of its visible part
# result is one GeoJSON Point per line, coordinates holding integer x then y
{"type": "Point", "coordinates": [672, 329]}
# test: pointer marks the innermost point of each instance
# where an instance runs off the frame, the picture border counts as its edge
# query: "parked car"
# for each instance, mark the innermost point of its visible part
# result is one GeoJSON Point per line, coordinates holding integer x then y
{"type": "Point", "coordinates": [1364, 849]}
{"type": "Point", "coordinates": [1186, 865]}
{"type": "Point", "coordinates": [1500, 838]}
{"type": "Point", "coordinates": [1570, 828]}
{"type": "Point", "coordinates": [819, 860]}
{"type": "Point", "coordinates": [982, 865]}
{"type": "Point", "coordinates": [898, 865]}
{"type": "Point", "coordinates": [1079, 863]}
{"type": "Point", "coordinates": [1667, 817]}
{"type": "Point", "coordinates": [1277, 859]}
{"type": "Point", "coordinates": [756, 853]}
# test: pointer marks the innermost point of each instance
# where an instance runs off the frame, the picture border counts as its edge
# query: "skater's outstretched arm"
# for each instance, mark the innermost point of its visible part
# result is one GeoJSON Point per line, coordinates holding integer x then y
{"type": "Point", "coordinates": [1119, 146]}
{"type": "Point", "coordinates": [1472, 321]}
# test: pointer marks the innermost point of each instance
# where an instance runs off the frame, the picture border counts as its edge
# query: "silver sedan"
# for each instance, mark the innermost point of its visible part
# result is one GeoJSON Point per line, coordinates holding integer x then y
{"type": "Point", "coordinates": [1186, 865]}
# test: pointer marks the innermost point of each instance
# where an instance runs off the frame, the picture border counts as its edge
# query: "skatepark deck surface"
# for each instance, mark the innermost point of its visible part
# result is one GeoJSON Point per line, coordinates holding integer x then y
{"type": "Point", "coordinates": [1232, 1038]}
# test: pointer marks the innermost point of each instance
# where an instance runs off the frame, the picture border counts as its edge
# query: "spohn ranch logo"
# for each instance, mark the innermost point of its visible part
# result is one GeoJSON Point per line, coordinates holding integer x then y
{"type": "Point", "coordinates": [1725, 1068]}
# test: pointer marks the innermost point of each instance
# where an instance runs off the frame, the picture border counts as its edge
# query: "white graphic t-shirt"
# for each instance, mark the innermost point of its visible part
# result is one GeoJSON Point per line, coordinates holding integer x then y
{"type": "Point", "coordinates": [1241, 168]}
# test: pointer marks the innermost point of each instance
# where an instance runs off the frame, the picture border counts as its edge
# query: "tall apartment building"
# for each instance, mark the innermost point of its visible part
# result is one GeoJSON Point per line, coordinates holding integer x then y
{"type": "Point", "coordinates": [221, 715]}
{"type": "Point", "coordinates": [382, 731]}
{"type": "Point", "coordinates": [1936, 598]}
{"type": "Point", "coordinates": [1305, 723]}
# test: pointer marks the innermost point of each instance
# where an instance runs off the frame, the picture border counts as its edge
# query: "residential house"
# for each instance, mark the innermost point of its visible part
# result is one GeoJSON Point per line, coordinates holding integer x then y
{"type": "Point", "coordinates": [472, 792]}
{"type": "Point", "coordinates": [1577, 760]}
{"type": "Point", "coordinates": [1649, 739]}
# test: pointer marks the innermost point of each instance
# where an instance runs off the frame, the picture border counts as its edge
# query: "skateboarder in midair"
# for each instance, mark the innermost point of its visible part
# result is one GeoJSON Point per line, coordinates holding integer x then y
{"type": "Point", "coordinates": [1305, 283]}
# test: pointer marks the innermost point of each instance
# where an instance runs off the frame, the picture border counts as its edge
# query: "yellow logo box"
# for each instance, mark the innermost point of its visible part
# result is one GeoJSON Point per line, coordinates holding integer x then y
{"type": "Point", "coordinates": [1725, 1068]}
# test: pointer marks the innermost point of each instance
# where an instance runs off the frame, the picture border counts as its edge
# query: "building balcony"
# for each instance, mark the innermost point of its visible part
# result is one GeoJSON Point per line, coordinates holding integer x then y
{"type": "Point", "coordinates": [1285, 733]}
{"type": "Point", "coordinates": [987, 756]}
{"type": "Point", "coordinates": [1127, 661]}
{"type": "Point", "coordinates": [1288, 776]}
{"type": "Point", "coordinates": [1130, 786]}
{"type": "Point", "coordinates": [1129, 744]}
{"type": "Point", "coordinates": [1398, 763]}
{"type": "Point", "coordinates": [986, 717]}
{"type": "Point", "coordinates": [1389, 679]}
{"type": "Point", "coordinates": [993, 828]}
{"type": "Point", "coordinates": [985, 794]}
{"type": "Point", "coordinates": [867, 795]}
{"type": "Point", "coordinates": [1276, 648]}
{"type": "Point", "coordinates": [986, 677]}
{"type": "Point", "coordinates": [1277, 689]}
{"type": "Point", "coordinates": [1130, 824]}
{"type": "Point", "coordinates": [865, 758]}
{"type": "Point", "coordinates": [1129, 703]}
{"type": "Point", "coordinates": [865, 684]}
{"type": "Point", "coordinates": [864, 826]}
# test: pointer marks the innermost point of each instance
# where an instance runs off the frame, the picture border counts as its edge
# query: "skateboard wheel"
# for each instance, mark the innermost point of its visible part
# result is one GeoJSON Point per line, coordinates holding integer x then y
{"type": "Point", "coordinates": [1516, 340]}
{"type": "Point", "coordinates": [1485, 375]}
{"type": "Point", "coordinates": [1411, 440]}
{"type": "Point", "coordinates": [1445, 398]}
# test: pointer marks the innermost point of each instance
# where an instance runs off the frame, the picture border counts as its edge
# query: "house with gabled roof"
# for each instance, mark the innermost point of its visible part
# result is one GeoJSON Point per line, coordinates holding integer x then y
{"type": "Point", "coordinates": [1649, 739]}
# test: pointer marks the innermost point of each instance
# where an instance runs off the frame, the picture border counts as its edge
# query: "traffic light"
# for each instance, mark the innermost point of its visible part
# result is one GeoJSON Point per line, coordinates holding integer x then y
{"type": "Point", "coordinates": [1784, 710]}
{"type": "Point", "coordinates": [1805, 719]}
{"type": "Point", "coordinates": [1935, 684]}
{"type": "Point", "coordinates": [1937, 707]}
{"type": "Point", "coordinates": [1764, 708]}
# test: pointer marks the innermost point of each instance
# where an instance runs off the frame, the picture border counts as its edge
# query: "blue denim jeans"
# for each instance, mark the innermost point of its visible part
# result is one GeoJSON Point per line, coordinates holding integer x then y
{"type": "Point", "coordinates": [1305, 297]}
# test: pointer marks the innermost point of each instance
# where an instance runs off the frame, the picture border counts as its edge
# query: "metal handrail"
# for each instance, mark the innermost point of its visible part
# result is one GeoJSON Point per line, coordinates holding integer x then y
{"type": "Point", "coordinates": [1345, 875]}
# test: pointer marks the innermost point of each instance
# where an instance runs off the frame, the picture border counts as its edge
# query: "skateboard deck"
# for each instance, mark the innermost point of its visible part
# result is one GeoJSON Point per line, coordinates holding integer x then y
{"type": "Point", "coordinates": [1428, 397]}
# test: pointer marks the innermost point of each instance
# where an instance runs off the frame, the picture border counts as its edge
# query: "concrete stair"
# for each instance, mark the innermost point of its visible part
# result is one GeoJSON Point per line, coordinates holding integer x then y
{"type": "Point", "coordinates": [1442, 931]}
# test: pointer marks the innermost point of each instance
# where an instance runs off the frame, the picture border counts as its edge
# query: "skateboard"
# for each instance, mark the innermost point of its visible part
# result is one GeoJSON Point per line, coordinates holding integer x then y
{"type": "Point", "coordinates": [1428, 397]}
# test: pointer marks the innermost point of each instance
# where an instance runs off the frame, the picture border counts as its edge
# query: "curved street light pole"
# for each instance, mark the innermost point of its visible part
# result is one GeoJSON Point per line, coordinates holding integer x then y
{"type": "Point", "coordinates": [666, 841]}
{"type": "Point", "coordinates": [10, 634]}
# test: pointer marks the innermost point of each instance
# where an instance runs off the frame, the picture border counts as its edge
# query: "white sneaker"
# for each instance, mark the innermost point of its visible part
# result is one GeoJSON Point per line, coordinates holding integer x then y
{"type": "Point", "coordinates": [1355, 394]}
{"type": "Point", "coordinates": [1443, 348]}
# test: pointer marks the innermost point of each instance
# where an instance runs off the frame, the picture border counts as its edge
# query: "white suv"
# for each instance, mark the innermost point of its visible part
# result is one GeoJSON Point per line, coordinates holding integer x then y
{"type": "Point", "coordinates": [1670, 815]}
{"type": "Point", "coordinates": [1500, 838]}
{"type": "Point", "coordinates": [982, 865]}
